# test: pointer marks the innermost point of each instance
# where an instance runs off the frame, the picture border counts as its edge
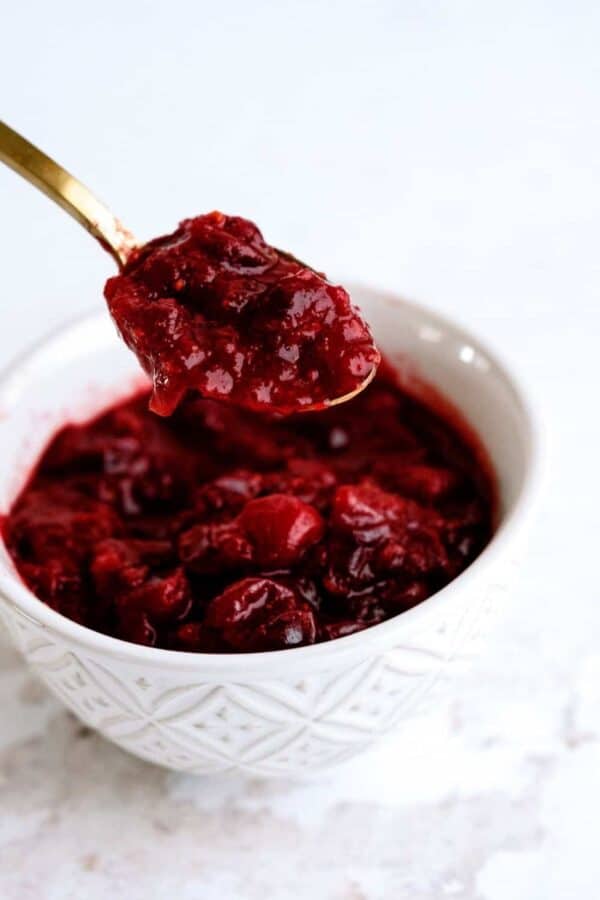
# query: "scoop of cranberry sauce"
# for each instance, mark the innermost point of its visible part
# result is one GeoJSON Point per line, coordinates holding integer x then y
{"type": "Point", "coordinates": [214, 308]}
{"type": "Point", "coordinates": [224, 530]}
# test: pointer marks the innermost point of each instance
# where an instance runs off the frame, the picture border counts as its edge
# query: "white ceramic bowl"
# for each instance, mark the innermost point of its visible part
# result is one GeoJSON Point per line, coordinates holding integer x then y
{"type": "Point", "coordinates": [278, 713]}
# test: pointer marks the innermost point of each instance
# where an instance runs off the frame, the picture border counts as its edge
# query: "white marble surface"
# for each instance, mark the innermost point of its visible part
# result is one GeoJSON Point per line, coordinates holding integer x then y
{"type": "Point", "coordinates": [448, 151]}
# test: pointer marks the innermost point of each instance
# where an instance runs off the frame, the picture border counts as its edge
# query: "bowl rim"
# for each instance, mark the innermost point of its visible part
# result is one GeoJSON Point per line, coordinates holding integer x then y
{"type": "Point", "coordinates": [385, 634]}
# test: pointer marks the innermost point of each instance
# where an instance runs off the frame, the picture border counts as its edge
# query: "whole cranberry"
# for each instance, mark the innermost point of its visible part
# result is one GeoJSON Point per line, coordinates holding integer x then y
{"type": "Point", "coordinates": [280, 528]}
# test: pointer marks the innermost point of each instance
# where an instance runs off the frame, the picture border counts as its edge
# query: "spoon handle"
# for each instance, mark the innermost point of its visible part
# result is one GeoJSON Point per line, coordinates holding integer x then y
{"type": "Point", "coordinates": [67, 191]}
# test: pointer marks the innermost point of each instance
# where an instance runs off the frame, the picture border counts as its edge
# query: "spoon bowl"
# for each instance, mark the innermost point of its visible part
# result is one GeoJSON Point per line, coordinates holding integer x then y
{"type": "Point", "coordinates": [76, 199]}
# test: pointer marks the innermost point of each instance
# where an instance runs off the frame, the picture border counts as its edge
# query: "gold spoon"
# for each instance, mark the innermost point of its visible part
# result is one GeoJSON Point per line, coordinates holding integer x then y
{"type": "Point", "coordinates": [67, 191]}
{"type": "Point", "coordinates": [73, 196]}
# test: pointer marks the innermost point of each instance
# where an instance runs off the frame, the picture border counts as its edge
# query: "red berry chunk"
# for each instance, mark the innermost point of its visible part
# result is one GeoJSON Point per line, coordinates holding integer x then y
{"type": "Point", "coordinates": [116, 567]}
{"type": "Point", "coordinates": [280, 528]}
{"type": "Point", "coordinates": [59, 583]}
{"type": "Point", "coordinates": [375, 534]}
{"type": "Point", "coordinates": [310, 480]}
{"type": "Point", "coordinates": [163, 599]}
{"type": "Point", "coordinates": [58, 522]}
{"type": "Point", "coordinates": [260, 614]}
{"type": "Point", "coordinates": [215, 548]}
{"type": "Point", "coordinates": [231, 491]}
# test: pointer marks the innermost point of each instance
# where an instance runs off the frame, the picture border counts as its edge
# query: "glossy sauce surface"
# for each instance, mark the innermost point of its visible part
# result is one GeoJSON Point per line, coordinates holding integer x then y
{"type": "Point", "coordinates": [224, 530]}
{"type": "Point", "coordinates": [215, 309]}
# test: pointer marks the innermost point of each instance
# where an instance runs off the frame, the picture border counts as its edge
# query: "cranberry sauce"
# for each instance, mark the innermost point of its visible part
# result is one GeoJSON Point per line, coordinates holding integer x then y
{"type": "Point", "coordinates": [224, 530]}
{"type": "Point", "coordinates": [214, 308]}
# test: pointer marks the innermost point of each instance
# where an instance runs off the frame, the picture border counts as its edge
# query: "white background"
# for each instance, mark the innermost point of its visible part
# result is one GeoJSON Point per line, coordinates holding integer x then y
{"type": "Point", "coordinates": [450, 151]}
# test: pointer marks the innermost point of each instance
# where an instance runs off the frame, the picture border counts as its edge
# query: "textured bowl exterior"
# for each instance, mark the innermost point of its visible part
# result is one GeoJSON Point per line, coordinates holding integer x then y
{"type": "Point", "coordinates": [285, 713]}
{"type": "Point", "coordinates": [288, 725]}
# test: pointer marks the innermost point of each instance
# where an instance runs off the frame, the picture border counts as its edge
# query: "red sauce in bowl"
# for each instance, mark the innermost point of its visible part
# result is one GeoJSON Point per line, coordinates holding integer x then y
{"type": "Point", "coordinates": [221, 529]}
{"type": "Point", "coordinates": [214, 308]}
